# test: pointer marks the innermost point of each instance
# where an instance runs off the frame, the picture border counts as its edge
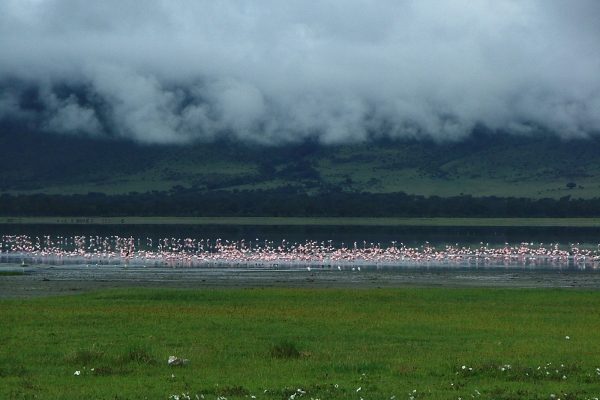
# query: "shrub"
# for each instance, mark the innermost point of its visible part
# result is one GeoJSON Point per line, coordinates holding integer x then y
{"type": "Point", "coordinates": [285, 349]}
{"type": "Point", "coordinates": [139, 355]}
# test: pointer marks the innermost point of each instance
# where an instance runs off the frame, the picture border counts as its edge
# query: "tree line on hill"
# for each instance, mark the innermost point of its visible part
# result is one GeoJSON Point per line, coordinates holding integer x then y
{"type": "Point", "coordinates": [291, 202]}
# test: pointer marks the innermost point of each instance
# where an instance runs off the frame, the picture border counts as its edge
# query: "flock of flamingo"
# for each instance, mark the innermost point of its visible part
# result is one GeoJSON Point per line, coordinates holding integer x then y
{"type": "Point", "coordinates": [101, 250]}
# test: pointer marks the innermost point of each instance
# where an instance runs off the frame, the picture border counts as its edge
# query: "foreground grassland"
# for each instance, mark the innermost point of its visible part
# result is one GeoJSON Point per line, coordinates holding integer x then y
{"type": "Point", "coordinates": [307, 221]}
{"type": "Point", "coordinates": [282, 344]}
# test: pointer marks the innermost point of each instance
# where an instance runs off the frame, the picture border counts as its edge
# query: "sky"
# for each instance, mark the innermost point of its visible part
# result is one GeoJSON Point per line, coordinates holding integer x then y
{"type": "Point", "coordinates": [272, 71]}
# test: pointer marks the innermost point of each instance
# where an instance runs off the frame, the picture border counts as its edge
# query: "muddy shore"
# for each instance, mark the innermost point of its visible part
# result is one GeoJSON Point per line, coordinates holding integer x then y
{"type": "Point", "coordinates": [48, 280]}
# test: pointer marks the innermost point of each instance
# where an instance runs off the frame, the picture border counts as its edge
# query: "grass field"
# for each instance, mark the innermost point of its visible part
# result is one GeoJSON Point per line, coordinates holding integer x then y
{"type": "Point", "coordinates": [11, 273]}
{"type": "Point", "coordinates": [307, 221]}
{"type": "Point", "coordinates": [303, 344]}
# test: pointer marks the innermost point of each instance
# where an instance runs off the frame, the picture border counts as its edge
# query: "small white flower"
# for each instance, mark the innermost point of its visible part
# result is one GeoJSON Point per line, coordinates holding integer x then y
{"type": "Point", "coordinates": [567, 337]}
{"type": "Point", "coordinates": [77, 373]}
{"type": "Point", "coordinates": [359, 389]}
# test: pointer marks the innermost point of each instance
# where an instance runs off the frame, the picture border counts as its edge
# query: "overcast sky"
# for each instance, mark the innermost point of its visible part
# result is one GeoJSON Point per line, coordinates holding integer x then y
{"type": "Point", "coordinates": [272, 71]}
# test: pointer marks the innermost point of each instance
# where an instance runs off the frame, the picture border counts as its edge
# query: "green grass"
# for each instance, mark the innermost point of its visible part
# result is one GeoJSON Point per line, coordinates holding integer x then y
{"type": "Point", "coordinates": [11, 273]}
{"type": "Point", "coordinates": [308, 221]}
{"type": "Point", "coordinates": [327, 343]}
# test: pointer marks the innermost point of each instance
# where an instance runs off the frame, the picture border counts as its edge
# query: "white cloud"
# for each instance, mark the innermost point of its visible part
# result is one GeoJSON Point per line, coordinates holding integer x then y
{"type": "Point", "coordinates": [336, 69]}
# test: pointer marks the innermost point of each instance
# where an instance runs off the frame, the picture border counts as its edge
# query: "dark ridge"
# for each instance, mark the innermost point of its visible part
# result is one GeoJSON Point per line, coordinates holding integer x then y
{"type": "Point", "coordinates": [289, 202]}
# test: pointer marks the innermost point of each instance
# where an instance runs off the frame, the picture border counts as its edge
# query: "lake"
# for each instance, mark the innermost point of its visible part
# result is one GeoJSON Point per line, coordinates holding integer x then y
{"type": "Point", "coordinates": [384, 257]}
{"type": "Point", "coordinates": [410, 235]}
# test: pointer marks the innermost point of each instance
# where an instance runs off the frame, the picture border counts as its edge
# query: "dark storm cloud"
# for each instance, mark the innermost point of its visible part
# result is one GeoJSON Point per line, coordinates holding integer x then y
{"type": "Point", "coordinates": [272, 71]}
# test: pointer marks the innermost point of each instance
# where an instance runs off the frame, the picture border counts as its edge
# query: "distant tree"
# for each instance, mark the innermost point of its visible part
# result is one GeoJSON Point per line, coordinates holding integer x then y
{"type": "Point", "coordinates": [571, 185]}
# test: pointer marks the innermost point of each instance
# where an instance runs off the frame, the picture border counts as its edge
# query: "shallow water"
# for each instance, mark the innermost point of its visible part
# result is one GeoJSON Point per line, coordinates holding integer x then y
{"type": "Point", "coordinates": [52, 274]}
{"type": "Point", "coordinates": [290, 246]}
{"type": "Point", "coordinates": [44, 280]}
{"type": "Point", "coordinates": [337, 234]}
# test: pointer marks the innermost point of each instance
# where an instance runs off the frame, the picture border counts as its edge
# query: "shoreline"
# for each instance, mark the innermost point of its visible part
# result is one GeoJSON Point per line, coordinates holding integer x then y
{"type": "Point", "coordinates": [312, 221]}
{"type": "Point", "coordinates": [47, 280]}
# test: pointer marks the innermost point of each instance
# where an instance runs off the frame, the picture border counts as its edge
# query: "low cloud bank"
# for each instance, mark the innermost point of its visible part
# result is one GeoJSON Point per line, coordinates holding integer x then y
{"type": "Point", "coordinates": [275, 72]}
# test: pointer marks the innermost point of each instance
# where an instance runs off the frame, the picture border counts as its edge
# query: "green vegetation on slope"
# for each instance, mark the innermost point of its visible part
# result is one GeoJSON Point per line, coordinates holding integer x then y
{"type": "Point", "coordinates": [482, 165]}
{"type": "Point", "coordinates": [329, 344]}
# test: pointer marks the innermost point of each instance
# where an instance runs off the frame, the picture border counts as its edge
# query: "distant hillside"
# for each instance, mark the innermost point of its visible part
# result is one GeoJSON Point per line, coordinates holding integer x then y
{"type": "Point", "coordinates": [483, 165]}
